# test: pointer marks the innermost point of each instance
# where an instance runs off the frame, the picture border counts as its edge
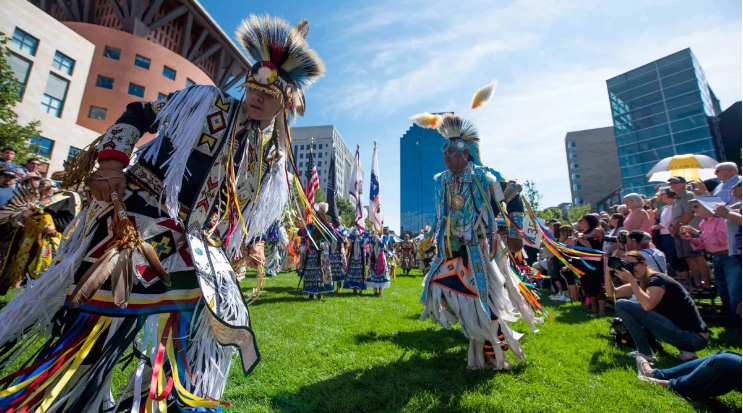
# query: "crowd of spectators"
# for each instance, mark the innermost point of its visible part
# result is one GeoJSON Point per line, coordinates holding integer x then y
{"type": "Point", "coordinates": [658, 252]}
{"type": "Point", "coordinates": [11, 174]}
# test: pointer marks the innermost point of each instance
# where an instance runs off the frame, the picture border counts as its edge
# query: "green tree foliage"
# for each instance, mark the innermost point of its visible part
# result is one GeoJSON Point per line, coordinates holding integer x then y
{"type": "Point", "coordinates": [13, 134]}
{"type": "Point", "coordinates": [551, 213]}
{"type": "Point", "coordinates": [576, 212]}
{"type": "Point", "coordinates": [532, 195]}
{"type": "Point", "coordinates": [347, 212]}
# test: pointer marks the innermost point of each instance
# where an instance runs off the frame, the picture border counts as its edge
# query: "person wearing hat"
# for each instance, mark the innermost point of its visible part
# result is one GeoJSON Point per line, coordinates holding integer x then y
{"type": "Point", "coordinates": [712, 237]}
{"type": "Point", "coordinates": [214, 179]}
{"type": "Point", "coordinates": [683, 214]}
{"type": "Point", "coordinates": [638, 240]}
{"type": "Point", "coordinates": [8, 179]}
{"type": "Point", "coordinates": [667, 197]}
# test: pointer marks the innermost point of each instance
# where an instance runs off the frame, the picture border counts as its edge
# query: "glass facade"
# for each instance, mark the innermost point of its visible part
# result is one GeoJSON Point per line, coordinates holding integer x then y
{"type": "Point", "coordinates": [661, 109]}
{"type": "Point", "coordinates": [420, 160]}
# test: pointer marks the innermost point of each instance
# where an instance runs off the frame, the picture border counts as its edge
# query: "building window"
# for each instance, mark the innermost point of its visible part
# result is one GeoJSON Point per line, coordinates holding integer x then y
{"type": "Point", "coordinates": [42, 146]}
{"type": "Point", "coordinates": [573, 154]}
{"type": "Point", "coordinates": [319, 154]}
{"type": "Point", "coordinates": [578, 200]}
{"type": "Point", "coordinates": [575, 175]}
{"type": "Point", "coordinates": [319, 163]}
{"type": "Point", "coordinates": [142, 62]}
{"type": "Point", "coordinates": [97, 113]}
{"type": "Point", "coordinates": [301, 155]}
{"type": "Point", "coordinates": [54, 95]}
{"type": "Point", "coordinates": [572, 144]}
{"type": "Point", "coordinates": [21, 69]}
{"type": "Point", "coordinates": [574, 165]}
{"type": "Point", "coordinates": [25, 42]}
{"type": "Point", "coordinates": [112, 53]}
{"type": "Point", "coordinates": [301, 147]}
{"type": "Point", "coordinates": [161, 96]}
{"type": "Point", "coordinates": [169, 73]}
{"type": "Point", "coordinates": [104, 82]}
{"type": "Point", "coordinates": [63, 63]}
{"type": "Point", "coordinates": [576, 187]}
{"type": "Point", "coordinates": [301, 164]}
{"type": "Point", "coordinates": [136, 90]}
{"type": "Point", "coordinates": [189, 82]}
{"type": "Point", "coordinates": [71, 154]}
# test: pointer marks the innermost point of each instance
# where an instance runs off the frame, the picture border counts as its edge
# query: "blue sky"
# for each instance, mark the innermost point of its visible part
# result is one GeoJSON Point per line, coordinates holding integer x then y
{"type": "Point", "coordinates": [388, 60]}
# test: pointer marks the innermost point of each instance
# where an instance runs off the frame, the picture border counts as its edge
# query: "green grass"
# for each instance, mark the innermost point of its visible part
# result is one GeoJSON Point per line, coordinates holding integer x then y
{"type": "Point", "coordinates": [351, 353]}
{"type": "Point", "coordinates": [365, 354]}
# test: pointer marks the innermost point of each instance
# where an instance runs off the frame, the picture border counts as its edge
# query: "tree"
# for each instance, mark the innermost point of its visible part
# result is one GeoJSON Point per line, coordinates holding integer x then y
{"type": "Point", "coordinates": [532, 195]}
{"type": "Point", "coordinates": [550, 213]}
{"type": "Point", "coordinates": [347, 212]}
{"type": "Point", "coordinates": [13, 134]}
{"type": "Point", "coordinates": [576, 212]}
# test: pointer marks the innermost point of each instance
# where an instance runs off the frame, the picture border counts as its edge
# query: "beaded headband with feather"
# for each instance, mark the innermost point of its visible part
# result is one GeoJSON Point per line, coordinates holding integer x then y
{"type": "Point", "coordinates": [284, 64]}
{"type": "Point", "coordinates": [452, 126]}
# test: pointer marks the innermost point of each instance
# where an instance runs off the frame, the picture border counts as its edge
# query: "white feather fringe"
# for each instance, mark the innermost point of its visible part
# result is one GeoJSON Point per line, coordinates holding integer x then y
{"type": "Point", "coordinates": [183, 120]}
{"type": "Point", "coordinates": [37, 304]}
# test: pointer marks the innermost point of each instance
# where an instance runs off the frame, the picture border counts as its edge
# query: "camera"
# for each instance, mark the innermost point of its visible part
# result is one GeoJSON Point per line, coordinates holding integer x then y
{"type": "Point", "coordinates": [622, 239]}
{"type": "Point", "coordinates": [617, 263]}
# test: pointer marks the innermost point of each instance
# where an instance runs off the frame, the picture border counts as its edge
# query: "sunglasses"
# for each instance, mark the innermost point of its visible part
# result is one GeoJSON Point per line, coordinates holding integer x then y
{"type": "Point", "coordinates": [458, 144]}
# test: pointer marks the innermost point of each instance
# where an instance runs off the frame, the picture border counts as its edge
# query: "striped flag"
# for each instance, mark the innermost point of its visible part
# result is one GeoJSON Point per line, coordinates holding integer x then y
{"type": "Point", "coordinates": [375, 205]}
{"type": "Point", "coordinates": [356, 188]}
{"type": "Point", "coordinates": [313, 182]}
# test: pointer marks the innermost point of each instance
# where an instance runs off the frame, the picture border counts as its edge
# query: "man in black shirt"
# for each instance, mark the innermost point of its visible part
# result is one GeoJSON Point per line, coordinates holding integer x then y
{"type": "Point", "coordinates": [662, 308]}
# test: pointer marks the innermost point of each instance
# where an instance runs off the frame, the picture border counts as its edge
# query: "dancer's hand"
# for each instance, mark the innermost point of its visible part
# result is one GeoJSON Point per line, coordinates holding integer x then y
{"type": "Point", "coordinates": [108, 178]}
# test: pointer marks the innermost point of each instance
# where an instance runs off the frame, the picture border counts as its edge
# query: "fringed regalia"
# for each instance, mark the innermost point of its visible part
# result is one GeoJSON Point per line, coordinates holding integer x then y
{"type": "Point", "coordinates": [406, 255]}
{"type": "Point", "coordinates": [379, 276]}
{"type": "Point", "coordinates": [315, 270]}
{"type": "Point", "coordinates": [338, 263]}
{"type": "Point", "coordinates": [210, 181]}
{"type": "Point", "coordinates": [356, 277]}
{"type": "Point", "coordinates": [276, 242]}
{"type": "Point", "coordinates": [470, 280]}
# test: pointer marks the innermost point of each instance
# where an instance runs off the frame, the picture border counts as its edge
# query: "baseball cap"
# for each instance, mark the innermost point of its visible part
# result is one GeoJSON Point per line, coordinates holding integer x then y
{"type": "Point", "coordinates": [7, 172]}
{"type": "Point", "coordinates": [641, 237]}
{"type": "Point", "coordinates": [676, 179]}
{"type": "Point", "coordinates": [666, 190]}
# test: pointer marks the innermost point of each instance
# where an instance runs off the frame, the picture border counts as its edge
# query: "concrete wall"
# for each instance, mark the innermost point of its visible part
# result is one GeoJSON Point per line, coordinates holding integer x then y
{"type": "Point", "coordinates": [323, 138]}
{"type": "Point", "coordinates": [598, 164]}
{"type": "Point", "coordinates": [53, 36]}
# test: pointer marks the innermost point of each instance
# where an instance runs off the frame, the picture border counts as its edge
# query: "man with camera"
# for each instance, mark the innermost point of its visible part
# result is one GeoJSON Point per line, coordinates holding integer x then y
{"type": "Point", "coordinates": [662, 308]}
{"type": "Point", "coordinates": [640, 241]}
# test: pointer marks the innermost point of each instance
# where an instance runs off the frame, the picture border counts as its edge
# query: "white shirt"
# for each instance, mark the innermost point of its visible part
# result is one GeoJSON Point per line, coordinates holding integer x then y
{"type": "Point", "coordinates": [666, 215]}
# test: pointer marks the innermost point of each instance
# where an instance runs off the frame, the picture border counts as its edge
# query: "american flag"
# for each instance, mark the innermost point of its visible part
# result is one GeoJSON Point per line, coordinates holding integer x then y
{"type": "Point", "coordinates": [313, 182]}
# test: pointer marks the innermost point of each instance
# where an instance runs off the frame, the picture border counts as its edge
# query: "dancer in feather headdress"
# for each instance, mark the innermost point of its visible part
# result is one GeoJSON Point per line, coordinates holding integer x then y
{"type": "Point", "coordinates": [470, 280]}
{"type": "Point", "coordinates": [149, 259]}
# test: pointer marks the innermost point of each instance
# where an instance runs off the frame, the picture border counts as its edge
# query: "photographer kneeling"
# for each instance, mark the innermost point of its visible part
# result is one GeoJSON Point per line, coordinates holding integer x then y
{"type": "Point", "coordinates": [663, 308]}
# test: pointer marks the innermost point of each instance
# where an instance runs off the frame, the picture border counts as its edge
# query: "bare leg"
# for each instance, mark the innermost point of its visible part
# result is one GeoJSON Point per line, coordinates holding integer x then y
{"type": "Point", "coordinates": [602, 307]}
{"type": "Point", "coordinates": [594, 305]}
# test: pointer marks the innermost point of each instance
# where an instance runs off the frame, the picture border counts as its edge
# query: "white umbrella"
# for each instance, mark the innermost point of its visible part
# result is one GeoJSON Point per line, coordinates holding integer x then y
{"type": "Point", "coordinates": [692, 167]}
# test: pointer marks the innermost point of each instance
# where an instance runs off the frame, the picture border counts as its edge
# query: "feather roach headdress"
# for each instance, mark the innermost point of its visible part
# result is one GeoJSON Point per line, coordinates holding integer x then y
{"type": "Point", "coordinates": [284, 63]}
{"type": "Point", "coordinates": [452, 126]}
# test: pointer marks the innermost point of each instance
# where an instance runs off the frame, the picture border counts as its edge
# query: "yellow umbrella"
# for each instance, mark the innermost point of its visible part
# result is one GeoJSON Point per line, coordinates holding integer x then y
{"type": "Point", "coordinates": [692, 167]}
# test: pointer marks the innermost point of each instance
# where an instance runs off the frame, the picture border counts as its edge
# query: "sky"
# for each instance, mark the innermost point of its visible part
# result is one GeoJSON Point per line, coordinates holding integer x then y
{"type": "Point", "coordinates": [388, 60]}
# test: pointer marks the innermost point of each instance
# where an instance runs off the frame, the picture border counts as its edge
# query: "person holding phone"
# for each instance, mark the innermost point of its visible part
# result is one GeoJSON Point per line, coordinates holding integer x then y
{"type": "Point", "coordinates": [663, 308]}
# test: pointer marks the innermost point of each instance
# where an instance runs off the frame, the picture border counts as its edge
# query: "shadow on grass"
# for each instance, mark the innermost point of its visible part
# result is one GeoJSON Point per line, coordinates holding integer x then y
{"type": "Point", "coordinates": [402, 383]}
{"type": "Point", "coordinates": [429, 341]}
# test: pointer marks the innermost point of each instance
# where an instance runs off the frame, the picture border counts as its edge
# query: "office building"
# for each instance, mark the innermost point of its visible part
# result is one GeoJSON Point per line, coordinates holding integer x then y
{"type": "Point", "coordinates": [51, 62]}
{"type": "Point", "coordinates": [661, 109]}
{"type": "Point", "coordinates": [729, 122]}
{"type": "Point", "coordinates": [593, 165]}
{"type": "Point", "coordinates": [326, 140]}
{"type": "Point", "coordinates": [84, 61]}
{"type": "Point", "coordinates": [420, 160]}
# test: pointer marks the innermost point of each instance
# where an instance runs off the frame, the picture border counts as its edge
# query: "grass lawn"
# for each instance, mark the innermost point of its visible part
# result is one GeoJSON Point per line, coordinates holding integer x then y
{"type": "Point", "coordinates": [351, 353]}
{"type": "Point", "coordinates": [365, 354]}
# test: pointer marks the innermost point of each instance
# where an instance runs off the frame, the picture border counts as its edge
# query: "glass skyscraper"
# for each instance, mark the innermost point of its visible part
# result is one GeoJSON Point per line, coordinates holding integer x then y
{"type": "Point", "coordinates": [661, 109]}
{"type": "Point", "coordinates": [420, 160]}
